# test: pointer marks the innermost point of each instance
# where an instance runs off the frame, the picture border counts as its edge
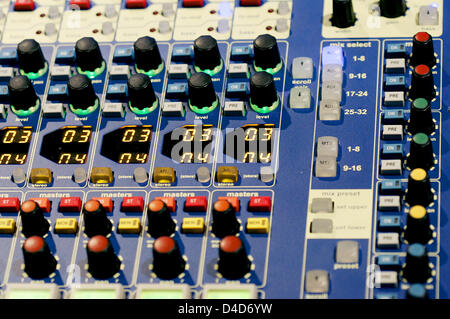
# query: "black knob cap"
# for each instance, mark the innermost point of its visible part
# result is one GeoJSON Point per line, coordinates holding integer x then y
{"type": "Point", "coordinates": [421, 152]}
{"type": "Point", "coordinates": [422, 83]}
{"type": "Point", "coordinates": [206, 53]}
{"type": "Point", "coordinates": [140, 92]}
{"type": "Point", "coordinates": [423, 50]}
{"type": "Point", "coordinates": [39, 261]}
{"type": "Point", "coordinates": [392, 8]}
{"type": "Point", "coordinates": [418, 226]}
{"type": "Point", "coordinates": [201, 91]}
{"type": "Point", "coordinates": [421, 118]}
{"type": "Point", "coordinates": [224, 221]}
{"type": "Point", "coordinates": [30, 56]}
{"type": "Point", "coordinates": [21, 93]}
{"type": "Point", "coordinates": [81, 92]}
{"type": "Point", "coordinates": [88, 56]}
{"type": "Point", "coordinates": [33, 220]}
{"type": "Point", "coordinates": [146, 54]}
{"type": "Point", "coordinates": [233, 260]}
{"type": "Point", "coordinates": [417, 268]}
{"type": "Point", "coordinates": [96, 221]}
{"type": "Point", "coordinates": [419, 188]}
{"type": "Point", "coordinates": [263, 94]}
{"type": "Point", "coordinates": [103, 262]}
{"type": "Point", "coordinates": [160, 223]}
{"type": "Point", "coordinates": [417, 291]}
{"type": "Point", "coordinates": [266, 53]}
{"type": "Point", "coordinates": [167, 260]}
{"type": "Point", "coordinates": [343, 14]}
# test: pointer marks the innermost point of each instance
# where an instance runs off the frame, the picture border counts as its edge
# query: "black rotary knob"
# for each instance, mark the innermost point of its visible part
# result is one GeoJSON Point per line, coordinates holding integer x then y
{"type": "Point", "coordinates": [96, 221]}
{"type": "Point", "coordinates": [147, 56]}
{"type": "Point", "coordinates": [266, 52]}
{"type": "Point", "coordinates": [224, 221]}
{"type": "Point", "coordinates": [33, 220]}
{"type": "Point", "coordinates": [263, 94]}
{"type": "Point", "coordinates": [207, 54]}
{"type": "Point", "coordinates": [103, 262]}
{"type": "Point", "coordinates": [140, 92]}
{"type": "Point", "coordinates": [417, 291]}
{"type": "Point", "coordinates": [233, 260]}
{"type": "Point", "coordinates": [392, 8]}
{"type": "Point", "coordinates": [30, 56]}
{"type": "Point", "coordinates": [419, 189]}
{"type": "Point", "coordinates": [88, 56]}
{"type": "Point", "coordinates": [417, 268]}
{"type": "Point", "coordinates": [39, 261]}
{"type": "Point", "coordinates": [343, 14]}
{"type": "Point", "coordinates": [81, 92]}
{"type": "Point", "coordinates": [421, 118]}
{"type": "Point", "coordinates": [418, 226]}
{"type": "Point", "coordinates": [421, 152]}
{"type": "Point", "coordinates": [423, 50]}
{"type": "Point", "coordinates": [22, 95]}
{"type": "Point", "coordinates": [422, 83]}
{"type": "Point", "coordinates": [202, 95]}
{"type": "Point", "coordinates": [167, 260]}
{"type": "Point", "coordinates": [160, 223]}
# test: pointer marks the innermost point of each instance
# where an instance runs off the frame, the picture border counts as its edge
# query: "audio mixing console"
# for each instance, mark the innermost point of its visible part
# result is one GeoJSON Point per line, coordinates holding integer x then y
{"type": "Point", "coordinates": [224, 149]}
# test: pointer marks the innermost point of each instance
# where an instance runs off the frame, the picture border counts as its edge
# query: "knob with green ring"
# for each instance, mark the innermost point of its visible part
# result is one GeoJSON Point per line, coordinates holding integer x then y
{"type": "Point", "coordinates": [421, 152]}
{"type": "Point", "coordinates": [263, 94]}
{"type": "Point", "coordinates": [421, 119]}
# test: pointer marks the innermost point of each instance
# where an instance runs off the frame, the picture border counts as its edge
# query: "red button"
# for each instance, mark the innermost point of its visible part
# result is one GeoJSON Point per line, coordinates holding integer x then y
{"type": "Point", "coordinates": [170, 202]}
{"type": "Point", "coordinates": [34, 244]}
{"type": "Point", "coordinates": [132, 204]}
{"type": "Point", "coordinates": [196, 204]}
{"type": "Point", "coordinates": [24, 5]}
{"type": "Point", "coordinates": [422, 69]}
{"type": "Point", "coordinates": [193, 3]}
{"type": "Point", "coordinates": [9, 204]}
{"type": "Point", "coordinates": [164, 244]}
{"type": "Point", "coordinates": [422, 36]}
{"type": "Point", "coordinates": [98, 244]}
{"type": "Point", "coordinates": [44, 204]}
{"type": "Point", "coordinates": [234, 201]}
{"type": "Point", "coordinates": [106, 202]}
{"type": "Point", "coordinates": [131, 4]}
{"type": "Point", "coordinates": [82, 4]}
{"type": "Point", "coordinates": [250, 2]}
{"type": "Point", "coordinates": [70, 204]}
{"type": "Point", "coordinates": [260, 204]}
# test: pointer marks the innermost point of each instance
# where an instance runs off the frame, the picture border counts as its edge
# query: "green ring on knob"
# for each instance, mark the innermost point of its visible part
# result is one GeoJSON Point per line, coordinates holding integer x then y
{"type": "Point", "coordinates": [93, 74]}
{"type": "Point", "coordinates": [35, 75]}
{"type": "Point", "coordinates": [87, 111]}
{"type": "Point", "coordinates": [212, 72]}
{"type": "Point", "coordinates": [272, 71]}
{"type": "Point", "coordinates": [28, 112]}
{"type": "Point", "coordinates": [151, 73]}
{"type": "Point", "coordinates": [264, 109]}
{"type": "Point", "coordinates": [145, 110]}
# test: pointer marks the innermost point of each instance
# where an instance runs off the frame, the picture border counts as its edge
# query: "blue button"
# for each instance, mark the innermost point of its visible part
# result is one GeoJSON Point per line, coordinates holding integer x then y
{"type": "Point", "coordinates": [241, 53]}
{"type": "Point", "coordinates": [417, 250]}
{"type": "Point", "coordinates": [386, 295]}
{"type": "Point", "coordinates": [8, 55]}
{"type": "Point", "coordinates": [393, 117]}
{"type": "Point", "coordinates": [237, 90]}
{"type": "Point", "coordinates": [389, 223]}
{"type": "Point", "coordinates": [417, 291]}
{"type": "Point", "coordinates": [65, 55]}
{"type": "Point", "coordinates": [333, 55]}
{"type": "Point", "coordinates": [392, 151]}
{"type": "Point", "coordinates": [123, 54]}
{"type": "Point", "coordinates": [391, 187]}
{"type": "Point", "coordinates": [4, 93]}
{"type": "Point", "coordinates": [116, 91]}
{"type": "Point", "coordinates": [395, 83]}
{"type": "Point", "coordinates": [176, 91]}
{"type": "Point", "coordinates": [395, 50]}
{"type": "Point", "coordinates": [182, 53]}
{"type": "Point", "coordinates": [57, 92]}
{"type": "Point", "coordinates": [389, 261]}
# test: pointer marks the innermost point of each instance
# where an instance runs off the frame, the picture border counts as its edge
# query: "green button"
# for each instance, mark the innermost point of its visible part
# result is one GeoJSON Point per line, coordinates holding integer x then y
{"type": "Point", "coordinates": [94, 294]}
{"type": "Point", "coordinates": [420, 138]}
{"type": "Point", "coordinates": [420, 103]}
{"type": "Point", "coordinates": [229, 294]}
{"type": "Point", "coordinates": [161, 294]}
{"type": "Point", "coordinates": [29, 294]}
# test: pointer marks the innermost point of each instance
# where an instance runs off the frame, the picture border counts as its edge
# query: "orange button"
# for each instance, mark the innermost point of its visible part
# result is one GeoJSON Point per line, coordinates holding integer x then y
{"type": "Point", "coordinates": [106, 202]}
{"type": "Point", "coordinates": [170, 202]}
{"type": "Point", "coordinates": [44, 204]}
{"type": "Point", "coordinates": [234, 201]}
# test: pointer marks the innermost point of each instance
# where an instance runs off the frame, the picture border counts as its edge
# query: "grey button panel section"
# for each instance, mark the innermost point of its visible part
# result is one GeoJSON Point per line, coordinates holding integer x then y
{"type": "Point", "coordinates": [178, 71]}
{"type": "Point", "coordinates": [388, 240]}
{"type": "Point", "coordinates": [6, 73]}
{"type": "Point", "coordinates": [392, 132]}
{"type": "Point", "coordinates": [317, 281]}
{"type": "Point", "coordinates": [386, 279]}
{"type": "Point", "coordinates": [321, 226]}
{"type": "Point", "coordinates": [175, 109]}
{"type": "Point", "coordinates": [266, 174]}
{"type": "Point", "coordinates": [391, 203]}
{"type": "Point", "coordinates": [326, 166]}
{"type": "Point", "coordinates": [53, 12]}
{"type": "Point", "coordinates": [234, 108]}
{"type": "Point", "coordinates": [3, 111]}
{"type": "Point", "coordinates": [332, 72]}
{"type": "Point", "coordinates": [113, 110]}
{"type": "Point", "coordinates": [140, 175]}
{"type": "Point", "coordinates": [110, 11]}
{"type": "Point", "coordinates": [53, 110]}
{"type": "Point", "coordinates": [238, 70]}
{"type": "Point", "coordinates": [203, 174]}
{"type": "Point", "coordinates": [18, 175]}
{"type": "Point", "coordinates": [322, 205]}
{"type": "Point", "coordinates": [395, 66]}
{"type": "Point", "coordinates": [282, 25]}
{"type": "Point", "coordinates": [167, 10]}
{"type": "Point", "coordinates": [62, 72]}
{"type": "Point", "coordinates": [283, 8]}
{"type": "Point", "coordinates": [107, 28]}
{"type": "Point", "coordinates": [302, 68]}
{"type": "Point", "coordinates": [327, 146]}
{"type": "Point", "coordinates": [428, 15]}
{"type": "Point", "coordinates": [329, 110]}
{"type": "Point", "coordinates": [79, 175]}
{"type": "Point", "coordinates": [332, 90]}
{"type": "Point", "coordinates": [50, 29]}
{"type": "Point", "coordinates": [391, 167]}
{"type": "Point", "coordinates": [347, 252]}
{"type": "Point", "coordinates": [164, 27]}
{"type": "Point", "coordinates": [300, 98]}
{"type": "Point", "coordinates": [119, 72]}
{"type": "Point", "coordinates": [223, 26]}
{"type": "Point", "coordinates": [396, 98]}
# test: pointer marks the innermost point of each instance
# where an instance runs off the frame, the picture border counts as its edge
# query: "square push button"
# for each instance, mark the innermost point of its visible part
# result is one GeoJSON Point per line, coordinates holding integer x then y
{"type": "Point", "coordinates": [326, 166]}
{"type": "Point", "coordinates": [329, 111]}
{"type": "Point", "coordinates": [327, 146]}
{"type": "Point", "coordinates": [300, 98]}
{"type": "Point", "coordinates": [347, 252]}
{"type": "Point", "coordinates": [302, 68]}
{"type": "Point", "coordinates": [322, 205]}
{"type": "Point", "coordinates": [321, 226]}
{"type": "Point", "coordinates": [317, 281]}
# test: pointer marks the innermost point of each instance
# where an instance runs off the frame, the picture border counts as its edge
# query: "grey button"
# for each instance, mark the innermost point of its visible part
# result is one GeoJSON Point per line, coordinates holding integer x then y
{"type": "Point", "coordinates": [302, 68]}
{"type": "Point", "coordinates": [392, 132]}
{"type": "Point", "coordinates": [50, 29]}
{"type": "Point", "coordinates": [388, 240]}
{"type": "Point", "coordinates": [178, 71]}
{"type": "Point", "coordinates": [396, 98]}
{"type": "Point", "coordinates": [428, 15]}
{"type": "Point", "coordinates": [167, 10]}
{"type": "Point", "coordinates": [347, 252]}
{"type": "Point", "coordinates": [79, 175]}
{"type": "Point", "coordinates": [389, 203]}
{"type": "Point", "coordinates": [203, 174]}
{"type": "Point", "coordinates": [119, 72]}
{"type": "Point", "coordinates": [266, 174]}
{"type": "Point", "coordinates": [6, 73]}
{"type": "Point", "coordinates": [3, 111]}
{"type": "Point", "coordinates": [62, 72]}
{"type": "Point", "coordinates": [282, 25]}
{"type": "Point", "coordinates": [326, 166]}
{"type": "Point", "coordinates": [234, 108]}
{"type": "Point", "coordinates": [140, 175]}
{"type": "Point", "coordinates": [53, 12]}
{"type": "Point", "coordinates": [395, 66]}
{"type": "Point", "coordinates": [107, 28]}
{"type": "Point", "coordinates": [386, 279]}
{"type": "Point", "coordinates": [322, 205]}
{"type": "Point", "coordinates": [332, 90]}
{"type": "Point", "coordinates": [283, 8]}
{"type": "Point", "coordinates": [317, 281]}
{"type": "Point", "coordinates": [332, 72]}
{"type": "Point", "coordinates": [18, 175]}
{"type": "Point", "coordinates": [54, 110]}
{"type": "Point", "coordinates": [113, 110]}
{"type": "Point", "coordinates": [175, 109]}
{"type": "Point", "coordinates": [321, 226]}
{"type": "Point", "coordinates": [238, 70]}
{"type": "Point", "coordinates": [223, 26]}
{"type": "Point", "coordinates": [300, 98]}
{"type": "Point", "coordinates": [329, 110]}
{"type": "Point", "coordinates": [391, 167]}
{"type": "Point", "coordinates": [164, 27]}
{"type": "Point", "coordinates": [110, 11]}
{"type": "Point", "coordinates": [327, 146]}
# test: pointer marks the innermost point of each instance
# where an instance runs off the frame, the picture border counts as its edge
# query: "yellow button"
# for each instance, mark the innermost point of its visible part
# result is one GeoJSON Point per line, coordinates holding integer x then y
{"type": "Point", "coordinates": [258, 225]}
{"type": "Point", "coordinates": [418, 174]}
{"type": "Point", "coordinates": [129, 226]}
{"type": "Point", "coordinates": [41, 176]}
{"type": "Point", "coordinates": [66, 226]}
{"type": "Point", "coordinates": [417, 212]}
{"type": "Point", "coordinates": [193, 225]}
{"type": "Point", "coordinates": [165, 175]}
{"type": "Point", "coordinates": [7, 226]}
{"type": "Point", "coordinates": [227, 174]}
{"type": "Point", "coordinates": [102, 175]}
